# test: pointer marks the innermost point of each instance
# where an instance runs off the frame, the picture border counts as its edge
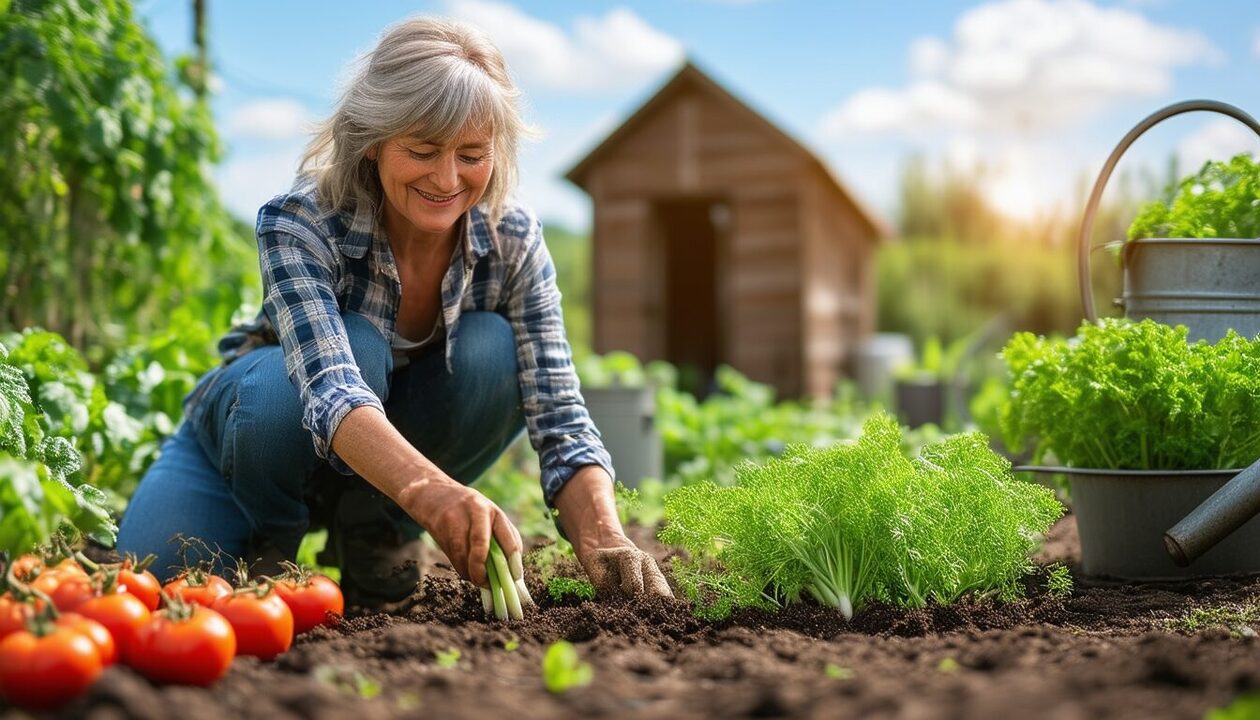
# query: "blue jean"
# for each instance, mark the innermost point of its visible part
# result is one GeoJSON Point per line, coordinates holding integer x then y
{"type": "Point", "coordinates": [245, 475]}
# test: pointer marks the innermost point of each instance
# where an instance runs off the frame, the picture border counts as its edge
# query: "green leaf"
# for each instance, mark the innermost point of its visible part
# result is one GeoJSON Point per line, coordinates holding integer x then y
{"type": "Point", "coordinates": [563, 670]}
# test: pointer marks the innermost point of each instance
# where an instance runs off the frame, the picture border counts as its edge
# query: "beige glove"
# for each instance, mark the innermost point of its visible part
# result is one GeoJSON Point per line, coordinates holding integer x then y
{"type": "Point", "coordinates": [625, 571]}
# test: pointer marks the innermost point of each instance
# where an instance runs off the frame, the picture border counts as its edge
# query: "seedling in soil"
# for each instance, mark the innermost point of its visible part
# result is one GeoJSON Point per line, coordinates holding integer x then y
{"type": "Point", "coordinates": [559, 587]}
{"type": "Point", "coordinates": [512, 645]}
{"type": "Point", "coordinates": [348, 681]}
{"type": "Point", "coordinates": [1238, 619]}
{"type": "Point", "coordinates": [837, 672]}
{"type": "Point", "coordinates": [1059, 580]}
{"type": "Point", "coordinates": [563, 670]}
{"type": "Point", "coordinates": [448, 658]}
{"type": "Point", "coordinates": [947, 665]}
{"type": "Point", "coordinates": [1244, 707]}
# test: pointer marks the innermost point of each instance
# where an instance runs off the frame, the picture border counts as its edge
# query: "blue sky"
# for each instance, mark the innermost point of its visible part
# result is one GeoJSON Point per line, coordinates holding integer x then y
{"type": "Point", "coordinates": [1035, 91]}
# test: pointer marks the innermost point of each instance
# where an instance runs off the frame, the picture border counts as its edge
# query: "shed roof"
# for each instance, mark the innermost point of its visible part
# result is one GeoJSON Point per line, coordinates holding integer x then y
{"type": "Point", "coordinates": [691, 77]}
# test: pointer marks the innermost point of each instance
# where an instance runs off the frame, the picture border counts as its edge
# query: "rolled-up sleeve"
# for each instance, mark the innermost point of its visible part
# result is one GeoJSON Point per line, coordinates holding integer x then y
{"type": "Point", "coordinates": [299, 299]}
{"type": "Point", "coordinates": [560, 428]}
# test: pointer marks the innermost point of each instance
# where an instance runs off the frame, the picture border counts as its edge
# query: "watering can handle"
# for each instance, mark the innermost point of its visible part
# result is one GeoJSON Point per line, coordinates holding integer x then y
{"type": "Point", "coordinates": [1087, 222]}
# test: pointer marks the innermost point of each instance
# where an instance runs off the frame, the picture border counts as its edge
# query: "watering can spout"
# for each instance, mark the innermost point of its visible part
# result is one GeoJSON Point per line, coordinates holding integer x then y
{"type": "Point", "coordinates": [1215, 518]}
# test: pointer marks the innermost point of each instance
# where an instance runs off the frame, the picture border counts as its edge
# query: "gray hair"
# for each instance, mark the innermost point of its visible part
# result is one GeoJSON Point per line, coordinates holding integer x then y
{"type": "Point", "coordinates": [434, 76]}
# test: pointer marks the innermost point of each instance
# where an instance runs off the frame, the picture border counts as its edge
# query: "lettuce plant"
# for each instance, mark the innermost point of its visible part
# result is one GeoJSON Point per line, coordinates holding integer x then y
{"type": "Point", "coordinates": [1134, 395]}
{"type": "Point", "coordinates": [36, 495]}
{"type": "Point", "coordinates": [1219, 201]}
{"type": "Point", "coordinates": [859, 521]}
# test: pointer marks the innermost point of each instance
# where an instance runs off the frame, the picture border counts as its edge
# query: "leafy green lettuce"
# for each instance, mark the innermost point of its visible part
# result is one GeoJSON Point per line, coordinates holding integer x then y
{"type": "Point", "coordinates": [36, 495]}
{"type": "Point", "coordinates": [1222, 200]}
{"type": "Point", "coordinates": [1134, 395]}
{"type": "Point", "coordinates": [859, 521]}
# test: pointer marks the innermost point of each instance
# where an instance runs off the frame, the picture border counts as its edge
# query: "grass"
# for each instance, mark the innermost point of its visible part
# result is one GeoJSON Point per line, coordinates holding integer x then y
{"type": "Point", "coordinates": [1238, 618]}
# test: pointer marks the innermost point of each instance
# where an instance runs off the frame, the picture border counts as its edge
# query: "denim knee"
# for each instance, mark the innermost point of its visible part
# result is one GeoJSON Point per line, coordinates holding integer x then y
{"type": "Point", "coordinates": [266, 455]}
{"type": "Point", "coordinates": [485, 352]}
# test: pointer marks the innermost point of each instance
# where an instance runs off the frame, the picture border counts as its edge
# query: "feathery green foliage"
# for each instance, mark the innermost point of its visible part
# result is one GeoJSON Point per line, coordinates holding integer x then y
{"type": "Point", "coordinates": [859, 521]}
{"type": "Point", "coordinates": [1165, 404]}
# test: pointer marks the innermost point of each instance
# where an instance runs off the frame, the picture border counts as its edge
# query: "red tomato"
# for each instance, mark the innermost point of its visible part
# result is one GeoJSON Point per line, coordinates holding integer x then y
{"type": "Point", "coordinates": [311, 601]}
{"type": "Point", "coordinates": [14, 614]}
{"type": "Point", "coordinates": [70, 565]}
{"type": "Point", "coordinates": [122, 614]}
{"type": "Point", "coordinates": [192, 651]}
{"type": "Point", "coordinates": [144, 585]}
{"type": "Point", "coordinates": [50, 579]}
{"type": "Point", "coordinates": [44, 673]}
{"type": "Point", "coordinates": [25, 565]}
{"type": "Point", "coordinates": [72, 592]}
{"type": "Point", "coordinates": [95, 632]}
{"type": "Point", "coordinates": [264, 626]}
{"type": "Point", "coordinates": [203, 590]}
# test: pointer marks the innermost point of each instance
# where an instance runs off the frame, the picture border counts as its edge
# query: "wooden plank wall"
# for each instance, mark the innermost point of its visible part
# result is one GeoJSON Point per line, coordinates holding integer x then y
{"type": "Point", "coordinates": [696, 145]}
{"type": "Point", "coordinates": [838, 293]}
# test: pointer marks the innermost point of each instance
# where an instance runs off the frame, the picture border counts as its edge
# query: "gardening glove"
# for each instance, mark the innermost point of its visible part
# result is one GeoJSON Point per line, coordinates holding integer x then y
{"type": "Point", "coordinates": [626, 571]}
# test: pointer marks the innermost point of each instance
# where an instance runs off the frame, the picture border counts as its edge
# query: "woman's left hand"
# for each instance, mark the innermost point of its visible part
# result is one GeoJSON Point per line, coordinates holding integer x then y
{"type": "Point", "coordinates": [614, 564]}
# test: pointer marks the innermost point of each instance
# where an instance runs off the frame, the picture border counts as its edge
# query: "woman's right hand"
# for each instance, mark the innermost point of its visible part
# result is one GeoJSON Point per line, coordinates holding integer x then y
{"type": "Point", "coordinates": [462, 521]}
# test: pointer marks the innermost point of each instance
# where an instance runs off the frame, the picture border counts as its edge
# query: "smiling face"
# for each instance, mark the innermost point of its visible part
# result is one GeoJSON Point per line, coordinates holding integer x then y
{"type": "Point", "coordinates": [430, 184]}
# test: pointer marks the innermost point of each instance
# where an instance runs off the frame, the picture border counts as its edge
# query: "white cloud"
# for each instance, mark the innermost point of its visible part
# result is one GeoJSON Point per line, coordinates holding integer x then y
{"type": "Point", "coordinates": [1218, 139]}
{"type": "Point", "coordinates": [271, 119]}
{"type": "Point", "coordinates": [1024, 65]}
{"type": "Point", "coordinates": [248, 181]}
{"type": "Point", "coordinates": [616, 51]}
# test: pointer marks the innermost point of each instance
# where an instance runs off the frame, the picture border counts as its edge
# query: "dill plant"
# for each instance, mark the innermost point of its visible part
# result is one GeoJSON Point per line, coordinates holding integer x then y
{"type": "Point", "coordinates": [859, 521]}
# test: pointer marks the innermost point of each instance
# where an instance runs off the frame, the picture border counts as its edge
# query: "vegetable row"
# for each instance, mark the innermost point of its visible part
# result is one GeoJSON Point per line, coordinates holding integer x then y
{"type": "Point", "coordinates": [62, 622]}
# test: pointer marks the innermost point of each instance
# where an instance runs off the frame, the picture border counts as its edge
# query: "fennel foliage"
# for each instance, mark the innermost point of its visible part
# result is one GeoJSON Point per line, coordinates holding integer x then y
{"type": "Point", "coordinates": [856, 522]}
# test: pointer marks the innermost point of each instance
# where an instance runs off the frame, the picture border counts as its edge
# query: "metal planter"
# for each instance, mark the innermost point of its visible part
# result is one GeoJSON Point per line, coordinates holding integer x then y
{"type": "Point", "coordinates": [1210, 286]}
{"type": "Point", "coordinates": [921, 401]}
{"type": "Point", "coordinates": [626, 418]}
{"type": "Point", "coordinates": [1122, 515]}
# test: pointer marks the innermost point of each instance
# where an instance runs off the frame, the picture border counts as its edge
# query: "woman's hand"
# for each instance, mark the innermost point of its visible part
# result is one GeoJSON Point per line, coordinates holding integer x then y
{"type": "Point", "coordinates": [459, 518]}
{"type": "Point", "coordinates": [462, 520]}
{"type": "Point", "coordinates": [613, 563]}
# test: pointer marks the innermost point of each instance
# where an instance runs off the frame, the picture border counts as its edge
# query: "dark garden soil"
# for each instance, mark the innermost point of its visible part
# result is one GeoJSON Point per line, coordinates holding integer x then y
{"type": "Point", "coordinates": [1105, 651]}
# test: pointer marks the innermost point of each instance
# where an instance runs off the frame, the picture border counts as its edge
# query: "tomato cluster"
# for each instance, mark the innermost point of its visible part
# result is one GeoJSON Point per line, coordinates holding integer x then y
{"type": "Point", "coordinates": [62, 624]}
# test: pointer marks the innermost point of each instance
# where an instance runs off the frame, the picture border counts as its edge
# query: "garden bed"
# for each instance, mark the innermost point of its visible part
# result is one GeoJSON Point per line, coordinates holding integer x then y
{"type": "Point", "coordinates": [1104, 651]}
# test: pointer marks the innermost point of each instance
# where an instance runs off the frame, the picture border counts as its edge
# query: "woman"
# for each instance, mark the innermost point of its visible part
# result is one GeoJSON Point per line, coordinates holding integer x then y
{"type": "Point", "coordinates": [410, 330]}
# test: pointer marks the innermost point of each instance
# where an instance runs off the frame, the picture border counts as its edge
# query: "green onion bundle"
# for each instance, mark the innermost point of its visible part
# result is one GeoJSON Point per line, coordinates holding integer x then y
{"type": "Point", "coordinates": [507, 596]}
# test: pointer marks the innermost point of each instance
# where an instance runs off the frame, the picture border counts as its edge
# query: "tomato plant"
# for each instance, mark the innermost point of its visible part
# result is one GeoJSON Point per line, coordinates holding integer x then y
{"type": "Point", "coordinates": [43, 672]}
{"type": "Point", "coordinates": [262, 621]}
{"type": "Point", "coordinates": [185, 644]}
{"type": "Point", "coordinates": [198, 587]}
{"type": "Point", "coordinates": [310, 597]}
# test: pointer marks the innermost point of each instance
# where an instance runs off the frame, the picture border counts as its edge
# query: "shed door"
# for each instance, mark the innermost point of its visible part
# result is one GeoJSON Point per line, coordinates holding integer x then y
{"type": "Point", "coordinates": [693, 324]}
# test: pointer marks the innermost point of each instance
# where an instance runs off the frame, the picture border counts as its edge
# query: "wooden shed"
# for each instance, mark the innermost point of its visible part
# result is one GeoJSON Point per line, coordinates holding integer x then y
{"type": "Point", "coordinates": [719, 239]}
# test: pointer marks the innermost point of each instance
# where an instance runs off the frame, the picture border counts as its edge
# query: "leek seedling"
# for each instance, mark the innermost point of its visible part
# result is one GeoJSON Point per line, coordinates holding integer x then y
{"type": "Point", "coordinates": [507, 596]}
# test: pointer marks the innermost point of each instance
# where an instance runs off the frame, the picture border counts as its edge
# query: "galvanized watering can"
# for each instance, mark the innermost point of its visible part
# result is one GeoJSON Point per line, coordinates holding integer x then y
{"type": "Point", "coordinates": [1210, 286]}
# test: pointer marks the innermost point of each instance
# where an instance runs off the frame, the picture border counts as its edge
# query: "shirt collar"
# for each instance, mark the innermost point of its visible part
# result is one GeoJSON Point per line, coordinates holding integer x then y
{"type": "Point", "coordinates": [358, 238]}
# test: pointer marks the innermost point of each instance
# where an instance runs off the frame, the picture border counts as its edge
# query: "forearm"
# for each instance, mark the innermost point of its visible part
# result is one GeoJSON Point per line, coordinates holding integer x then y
{"type": "Point", "coordinates": [367, 442]}
{"type": "Point", "coordinates": [588, 510]}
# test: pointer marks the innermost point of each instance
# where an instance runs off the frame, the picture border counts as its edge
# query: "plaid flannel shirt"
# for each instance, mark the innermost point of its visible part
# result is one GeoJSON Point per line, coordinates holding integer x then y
{"type": "Point", "coordinates": [317, 264]}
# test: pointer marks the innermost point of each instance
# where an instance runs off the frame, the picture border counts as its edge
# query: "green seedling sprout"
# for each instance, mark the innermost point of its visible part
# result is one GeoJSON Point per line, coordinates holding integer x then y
{"type": "Point", "coordinates": [563, 670]}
